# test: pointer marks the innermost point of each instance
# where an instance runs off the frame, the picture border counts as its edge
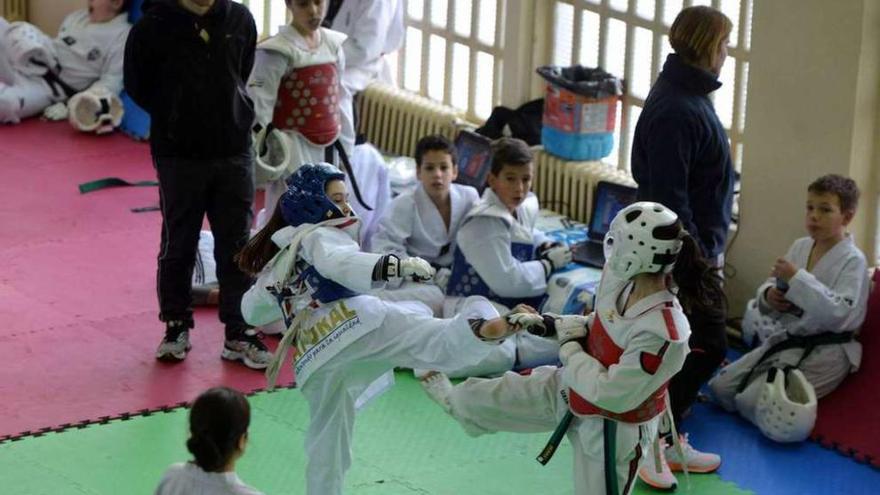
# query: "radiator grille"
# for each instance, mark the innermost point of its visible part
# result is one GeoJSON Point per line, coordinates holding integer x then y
{"type": "Point", "coordinates": [13, 10]}
{"type": "Point", "coordinates": [567, 187]}
{"type": "Point", "coordinates": [394, 119]}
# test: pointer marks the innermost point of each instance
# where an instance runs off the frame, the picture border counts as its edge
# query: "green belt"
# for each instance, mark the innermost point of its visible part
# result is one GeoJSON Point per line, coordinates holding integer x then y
{"type": "Point", "coordinates": [87, 187]}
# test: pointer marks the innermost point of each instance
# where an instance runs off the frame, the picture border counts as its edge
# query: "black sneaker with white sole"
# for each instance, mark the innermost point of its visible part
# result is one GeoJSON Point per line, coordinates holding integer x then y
{"type": "Point", "coordinates": [175, 344]}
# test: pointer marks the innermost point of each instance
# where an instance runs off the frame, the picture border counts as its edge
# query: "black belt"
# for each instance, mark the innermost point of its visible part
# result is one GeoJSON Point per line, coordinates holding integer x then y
{"type": "Point", "coordinates": [806, 342]}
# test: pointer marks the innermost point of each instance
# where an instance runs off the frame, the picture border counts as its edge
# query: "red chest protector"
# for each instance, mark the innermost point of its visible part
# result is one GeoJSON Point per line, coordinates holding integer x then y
{"type": "Point", "coordinates": [600, 346]}
{"type": "Point", "coordinates": [308, 103]}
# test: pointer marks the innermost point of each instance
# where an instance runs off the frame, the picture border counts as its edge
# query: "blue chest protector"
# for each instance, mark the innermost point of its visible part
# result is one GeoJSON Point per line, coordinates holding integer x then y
{"type": "Point", "coordinates": [320, 288]}
{"type": "Point", "coordinates": [465, 281]}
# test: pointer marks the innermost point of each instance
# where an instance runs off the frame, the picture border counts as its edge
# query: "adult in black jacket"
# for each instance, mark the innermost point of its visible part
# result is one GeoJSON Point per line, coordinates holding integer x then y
{"type": "Point", "coordinates": [681, 158]}
{"type": "Point", "coordinates": [186, 63]}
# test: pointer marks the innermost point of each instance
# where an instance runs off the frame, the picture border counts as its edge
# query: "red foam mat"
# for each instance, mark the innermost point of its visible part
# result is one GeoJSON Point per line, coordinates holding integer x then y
{"type": "Point", "coordinates": [77, 287]}
{"type": "Point", "coordinates": [848, 419]}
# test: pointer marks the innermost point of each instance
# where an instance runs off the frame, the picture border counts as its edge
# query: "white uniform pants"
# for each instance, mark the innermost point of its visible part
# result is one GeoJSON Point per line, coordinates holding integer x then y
{"type": "Point", "coordinates": [405, 338]}
{"type": "Point", "coordinates": [534, 403]}
{"type": "Point", "coordinates": [26, 97]}
{"type": "Point", "coordinates": [824, 368]}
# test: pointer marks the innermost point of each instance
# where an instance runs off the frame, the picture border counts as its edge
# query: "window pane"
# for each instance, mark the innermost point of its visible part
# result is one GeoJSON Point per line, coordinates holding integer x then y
{"type": "Point", "coordinates": [620, 5]}
{"type": "Point", "coordinates": [615, 50]}
{"type": "Point", "coordinates": [437, 63]}
{"type": "Point", "coordinates": [707, 3]}
{"type": "Point", "coordinates": [412, 59]}
{"type": "Point", "coordinates": [463, 9]}
{"type": "Point", "coordinates": [589, 39]}
{"type": "Point", "coordinates": [613, 158]}
{"type": "Point", "coordinates": [742, 98]}
{"type": "Point", "coordinates": [483, 85]}
{"type": "Point", "coordinates": [486, 22]}
{"type": "Point", "coordinates": [415, 9]}
{"type": "Point", "coordinates": [634, 113]}
{"type": "Point", "coordinates": [439, 10]}
{"type": "Point", "coordinates": [724, 94]}
{"type": "Point", "coordinates": [461, 66]}
{"type": "Point", "coordinates": [645, 8]}
{"type": "Point", "coordinates": [671, 9]}
{"type": "Point", "coordinates": [747, 38]}
{"type": "Point", "coordinates": [665, 50]}
{"type": "Point", "coordinates": [731, 9]}
{"type": "Point", "coordinates": [278, 17]}
{"type": "Point", "coordinates": [563, 34]}
{"type": "Point", "coordinates": [256, 8]}
{"type": "Point", "coordinates": [643, 48]}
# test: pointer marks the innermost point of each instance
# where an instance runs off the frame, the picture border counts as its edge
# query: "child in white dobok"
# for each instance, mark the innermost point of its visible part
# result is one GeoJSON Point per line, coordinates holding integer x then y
{"type": "Point", "coordinates": [313, 273]}
{"type": "Point", "coordinates": [424, 222]}
{"type": "Point", "coordinates": [806, 314]}
{"type": "Point", "coordinates": [617, 361]}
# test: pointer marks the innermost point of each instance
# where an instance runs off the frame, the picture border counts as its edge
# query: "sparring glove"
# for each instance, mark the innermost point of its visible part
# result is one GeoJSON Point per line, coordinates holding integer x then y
{"type": "Point", "coordinates": [555, 258]}
{"type": "Point", "coordinates": [55, 111]}
{"type": "Point", "coordinates": [416, 269]}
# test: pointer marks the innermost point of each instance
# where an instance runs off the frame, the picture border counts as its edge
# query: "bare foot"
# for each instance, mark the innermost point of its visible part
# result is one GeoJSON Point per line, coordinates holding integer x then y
{"type": "Point", "coordinates": [438, 387]}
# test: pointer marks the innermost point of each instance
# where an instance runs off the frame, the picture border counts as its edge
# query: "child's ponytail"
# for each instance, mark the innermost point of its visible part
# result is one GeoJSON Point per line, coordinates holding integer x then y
{"type": "Point", "coordinates": [260, 249]}
{"type": "Point", "coordinates": [699, 284]}
{"type": "Point", "coordinates": [218, 419]}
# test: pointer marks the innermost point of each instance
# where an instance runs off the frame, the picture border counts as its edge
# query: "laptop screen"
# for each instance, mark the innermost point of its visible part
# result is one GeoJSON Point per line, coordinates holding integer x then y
{"type": "Point", "coordinates": [610, 199]}
{"type": "Point", "coordinates": [474, 159]}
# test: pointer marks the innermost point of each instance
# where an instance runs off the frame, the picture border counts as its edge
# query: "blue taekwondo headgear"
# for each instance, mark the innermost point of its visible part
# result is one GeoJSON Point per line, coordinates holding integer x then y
{"type": "Point", "coordinates": [305, 200]}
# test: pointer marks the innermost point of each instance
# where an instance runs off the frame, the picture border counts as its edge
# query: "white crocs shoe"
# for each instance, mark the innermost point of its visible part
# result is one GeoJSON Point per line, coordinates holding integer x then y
{"type": "Point", "coordinates": [438, 387]}
{"type": "Point", "coordinates": [696, 461]}
{"type": "Point", "coordinates": [656, 475]}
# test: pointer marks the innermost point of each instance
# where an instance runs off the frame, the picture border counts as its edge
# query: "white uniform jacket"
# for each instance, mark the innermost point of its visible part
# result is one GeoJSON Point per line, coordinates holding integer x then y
{"type": "Point", "coordinates": [832, 298]}
{"type": "Point", "coordinates": [652, 339]}
{"type": "Point", "coordinates": [91, 52]}
{"type": "Point", "coordinates": [495, 253]}
{"type": "Point", "coordinates": [412, 226]}
{"type": "Point", "coordinates": [334, 323]}
{"type": "Point", "coordinates": [374, 29]}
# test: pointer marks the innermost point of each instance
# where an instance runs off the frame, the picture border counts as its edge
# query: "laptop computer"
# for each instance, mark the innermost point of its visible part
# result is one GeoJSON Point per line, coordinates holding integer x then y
{"type": "Point", "coordinates": [609, 199]}
{"type": "Point", "coordinates": [474, 159]}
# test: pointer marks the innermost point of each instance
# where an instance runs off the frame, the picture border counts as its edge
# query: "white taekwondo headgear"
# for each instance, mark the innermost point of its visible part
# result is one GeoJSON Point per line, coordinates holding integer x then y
{"type": "Point", "coordinates": [786, 408]}
{"type": "Point", "coordinates": [95, 110]}
{"type": "Point", "coordinates": [637, 241]}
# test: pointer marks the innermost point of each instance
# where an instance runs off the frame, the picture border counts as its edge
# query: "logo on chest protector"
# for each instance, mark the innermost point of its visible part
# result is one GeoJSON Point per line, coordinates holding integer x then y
{"type": "Point", "coordinates": [339, 316]}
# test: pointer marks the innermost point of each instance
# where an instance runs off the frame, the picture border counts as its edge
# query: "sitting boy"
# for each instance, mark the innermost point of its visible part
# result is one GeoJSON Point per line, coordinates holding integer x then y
{"type": "Point", "coordinates": [809, 309]}
{"type": "Point", "coordinates": [502, 256]}
{"type": "Point", "coordinates": [424, 222]}
{"type": "Point", "coordinates": [83, 63]}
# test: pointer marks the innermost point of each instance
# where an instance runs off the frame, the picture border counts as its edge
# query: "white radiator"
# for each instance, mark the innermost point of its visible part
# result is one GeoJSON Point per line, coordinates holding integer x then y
{"type": "Point", "coordinates": [394, 119]}
{"type": "Point", "coordinates": [13, 10]}
{"type": "Point", "coordinates": [567, 187]}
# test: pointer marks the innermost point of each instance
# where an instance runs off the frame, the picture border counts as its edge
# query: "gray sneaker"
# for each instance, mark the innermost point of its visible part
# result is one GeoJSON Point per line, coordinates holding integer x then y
{"type": "Point", "coordinates": [174, 345]}
{"type": "Point", "coordinates": [248, 348]}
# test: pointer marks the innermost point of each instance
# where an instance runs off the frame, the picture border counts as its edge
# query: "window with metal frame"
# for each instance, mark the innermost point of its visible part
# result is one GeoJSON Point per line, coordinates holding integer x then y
{"type": "Point", "coordinates": [269, 15]}
{"type": "Point", "coordinates": [628, 38]}
{"type": "Point", "coordinates": [453, 53]}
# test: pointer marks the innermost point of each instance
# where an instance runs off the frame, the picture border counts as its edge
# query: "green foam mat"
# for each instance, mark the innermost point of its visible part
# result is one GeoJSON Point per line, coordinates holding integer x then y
{"type": "Point", "coordinates": [404, 445]}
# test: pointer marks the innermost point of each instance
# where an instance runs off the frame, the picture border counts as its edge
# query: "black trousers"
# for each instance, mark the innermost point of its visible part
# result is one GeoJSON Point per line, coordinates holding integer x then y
{"type": "Point", "coordinates": [222, 188]}
{"type": "Point", "coordinates": [708, 343]}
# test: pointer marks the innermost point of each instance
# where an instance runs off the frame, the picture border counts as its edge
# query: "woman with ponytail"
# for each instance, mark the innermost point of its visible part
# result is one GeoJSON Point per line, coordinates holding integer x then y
{"type": "Point", "coordinates": [218, 424]}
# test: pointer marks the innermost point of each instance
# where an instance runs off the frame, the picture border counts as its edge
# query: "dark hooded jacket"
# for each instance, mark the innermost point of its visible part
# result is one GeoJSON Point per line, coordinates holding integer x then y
{"type": "Point", "coordinates": [189, 72]}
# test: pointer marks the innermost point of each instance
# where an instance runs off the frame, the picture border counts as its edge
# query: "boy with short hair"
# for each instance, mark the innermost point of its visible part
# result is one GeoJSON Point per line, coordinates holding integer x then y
{"type": "Point", "coordinates": [810, 308]}
{"type": "Point", "coordinates": [39, 74]}
{"type": "Point", "coordinates": [502, 256]}
{"type": "Point", "coordinates": [424, 222]}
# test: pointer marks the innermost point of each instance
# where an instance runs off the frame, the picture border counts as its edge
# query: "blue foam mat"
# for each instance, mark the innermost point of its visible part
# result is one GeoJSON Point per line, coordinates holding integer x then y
{"type": "Point", "coordinates": [756, 463]}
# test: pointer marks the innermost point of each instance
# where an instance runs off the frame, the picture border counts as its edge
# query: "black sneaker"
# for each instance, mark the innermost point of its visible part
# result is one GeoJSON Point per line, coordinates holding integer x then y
{"type": "Point", "coordinates": [175, 344]}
